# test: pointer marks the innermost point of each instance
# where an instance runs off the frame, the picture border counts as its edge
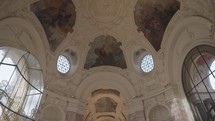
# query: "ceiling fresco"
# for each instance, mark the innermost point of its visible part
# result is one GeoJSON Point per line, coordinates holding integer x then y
{"type": "Point", "coordinates": [57, 18]}
{"type": "Point", "coordinates": [152, 18]}
{"type": "Point", "coordinates": [105, 51]}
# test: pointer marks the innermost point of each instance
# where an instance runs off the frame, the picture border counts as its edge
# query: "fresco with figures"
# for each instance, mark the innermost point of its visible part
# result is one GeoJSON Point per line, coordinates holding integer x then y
{"type": "Point", "coordinates": [105, 51]}
{"type": "Point", "coordinates": [57, 18]}
{"type": "Point", "coordinates": [152, 18]}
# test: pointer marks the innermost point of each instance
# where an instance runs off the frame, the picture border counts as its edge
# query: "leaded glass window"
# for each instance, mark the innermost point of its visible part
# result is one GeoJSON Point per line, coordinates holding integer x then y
{"type": "Point", "coordinates": [198, 82]}
{"type": "Point", "coordinates": [147, 63]}
{"type": "Point", "coordinates": [21, 85]}
{"type": "Point", "coordinates": [63, 64]}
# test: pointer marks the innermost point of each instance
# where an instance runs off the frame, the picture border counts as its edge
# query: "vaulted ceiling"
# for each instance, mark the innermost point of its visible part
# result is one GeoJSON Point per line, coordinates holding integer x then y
{"type": "Point", "coordinates": [106, 40]}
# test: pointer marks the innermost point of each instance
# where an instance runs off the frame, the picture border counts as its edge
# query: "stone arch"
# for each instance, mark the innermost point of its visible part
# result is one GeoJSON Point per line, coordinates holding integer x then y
{"type": "Point", "coordinates": [109, 79]}
{"type": "Point", "coordinates": [159, 113]}
{"type": "Point", "coordinates": [18, 33]}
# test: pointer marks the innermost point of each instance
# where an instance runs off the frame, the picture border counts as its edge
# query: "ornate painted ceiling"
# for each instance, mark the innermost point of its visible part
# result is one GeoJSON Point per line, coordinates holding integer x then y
{"type": "Point", "coordinates": [106, 40]}
{"type": "Point", "coordinates": [59, 16]}
{"type": "Point", "coordinates": [105, 36]}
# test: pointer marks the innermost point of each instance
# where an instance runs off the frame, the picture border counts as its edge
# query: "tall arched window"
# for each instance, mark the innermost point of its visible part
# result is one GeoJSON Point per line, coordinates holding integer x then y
{"type": "Point", "coordinates": [21, 85]}
{"type": "Point", "coordinates": [198, 76]}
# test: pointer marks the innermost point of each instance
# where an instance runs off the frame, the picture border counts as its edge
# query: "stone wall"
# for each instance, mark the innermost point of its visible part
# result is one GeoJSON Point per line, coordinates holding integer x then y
{"type": "Point", "coordinates": [73, 116]}
{"type": "Point", "coordinates": [137, 116]}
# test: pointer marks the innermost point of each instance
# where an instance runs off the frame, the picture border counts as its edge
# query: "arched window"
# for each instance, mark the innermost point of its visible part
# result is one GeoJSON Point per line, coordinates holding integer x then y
{"type": "Point", "coordinates": [159, 113]}
{"type": "Point", "coordinates": [21, 85]}
{"type": "Point", "coordinates": [198, 76]}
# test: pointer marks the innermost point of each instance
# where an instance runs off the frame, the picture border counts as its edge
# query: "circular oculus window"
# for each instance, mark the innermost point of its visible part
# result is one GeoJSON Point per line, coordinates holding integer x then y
{"type": "Point", "coordinates": [147, 63]}
{"type": "Point", "coordinates": [63, 64]}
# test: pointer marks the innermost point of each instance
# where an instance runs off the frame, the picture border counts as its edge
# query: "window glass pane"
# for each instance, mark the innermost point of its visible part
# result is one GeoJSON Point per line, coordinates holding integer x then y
{"type": "Point", "coordinates": [8, 77]}
{"type": "Point", "coordinates": [194, 95]}
{"type": "Point", "coordinates": [187, 80]}
{"type": "Point", "coordinates": [203, 91]}
{"type": "Point", "coordinates": [63, 64]}
{"type": "Point", "coordinates": [35, 78]}
{"type": "Point", "coordinates": [2, 54]}
{"type": "Point", "coordinates": [15, 92]}
{"type": "Point", "coordinates": [32, 90]}
{"type": "Point", "coordinates": [147, 63]}
{"type": "Point", "coordinates": [195, 74]}
{"type": "Point", "coordinates": [212, 76]}
{"type": "Point", "coordinates": [6, 71]}
{"type": "Point", "coordinates": [14, 55]}
{"type": "Point", "coordinates": [202, 111]}
{"type": "Point", "coordinates": [31, 105]}
{"type": "Point", "coordinates": [4, 98]}
{"type": "Point", "coordinates": [202, 67]}
{"type": "Point", "coordinates": [22, 64]}
{"type": "Point", "coordinates": [32, 62]}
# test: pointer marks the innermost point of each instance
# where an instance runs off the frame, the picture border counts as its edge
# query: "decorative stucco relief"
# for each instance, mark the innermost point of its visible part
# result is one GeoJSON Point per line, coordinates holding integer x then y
{"type": "Point", "coordinates": [195, 8]}
{"type": "Point", "coordinates": [104, 10]}
{"type": "Point", "coordinates": [104, 13]}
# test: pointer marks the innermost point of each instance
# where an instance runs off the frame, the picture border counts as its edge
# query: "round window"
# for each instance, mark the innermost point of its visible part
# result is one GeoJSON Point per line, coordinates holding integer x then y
{"type": "Point", "coordinates": [147, 63]}
{"type": "Point", "coordinates": [63, 64]}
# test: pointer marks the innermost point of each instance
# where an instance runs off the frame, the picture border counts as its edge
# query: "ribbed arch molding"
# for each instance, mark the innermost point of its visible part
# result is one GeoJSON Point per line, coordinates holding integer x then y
{"type": "Point", "coordinates": [105, 79]}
